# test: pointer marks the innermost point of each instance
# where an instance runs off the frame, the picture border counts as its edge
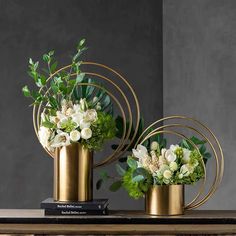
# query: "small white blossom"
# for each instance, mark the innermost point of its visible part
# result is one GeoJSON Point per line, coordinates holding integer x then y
{"type": "Point", "coordinates": [173, 166]}
{"type": "Point", "coordinates": [180, 176]}
{"type": "Point", "coordinates": [167, 174]}
{"type": "Point", "coordinates": [90, 115]}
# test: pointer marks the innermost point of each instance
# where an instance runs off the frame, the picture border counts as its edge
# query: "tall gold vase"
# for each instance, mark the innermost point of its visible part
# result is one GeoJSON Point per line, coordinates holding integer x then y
{"type": "Point", "coordinates": [165, 200]}
{"type": "Point", "coordinates": [73, 173]}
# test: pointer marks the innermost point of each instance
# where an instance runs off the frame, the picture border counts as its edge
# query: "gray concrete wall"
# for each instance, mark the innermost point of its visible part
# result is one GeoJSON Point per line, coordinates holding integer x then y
{"type": "Point", "coordinates": [126, 35]}
{"type": "Point", "coordinates": [199, 43]}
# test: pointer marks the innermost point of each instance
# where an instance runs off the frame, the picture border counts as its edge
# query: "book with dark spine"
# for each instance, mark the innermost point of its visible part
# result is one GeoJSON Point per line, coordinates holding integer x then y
{"type": "Point", "coordinates": [75, 212]}
{"type": "Point", "coordinates": [97, 204]}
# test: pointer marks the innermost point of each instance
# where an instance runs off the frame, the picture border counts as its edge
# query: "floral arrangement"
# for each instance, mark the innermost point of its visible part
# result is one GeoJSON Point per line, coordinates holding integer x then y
{"type": "Point", "coordinates": [71, 113]}
{"type": "Point", "coordinates": [155, 164]}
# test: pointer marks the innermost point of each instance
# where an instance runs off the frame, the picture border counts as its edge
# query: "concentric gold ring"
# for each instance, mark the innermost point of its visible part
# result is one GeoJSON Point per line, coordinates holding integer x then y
{"type": "Point", "coordinates": [123, 144]}
{"type": "Point", "coordinates": [202, 187]}
{"type": "Point", "coordinates": [219, 159]}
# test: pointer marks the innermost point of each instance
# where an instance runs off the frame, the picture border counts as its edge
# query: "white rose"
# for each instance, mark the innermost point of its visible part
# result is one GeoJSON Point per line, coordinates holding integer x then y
{"type": "Point", "coordinates": [61, 139]}
{"type": "Point", "coordinates": [186, 155]}
{"type": "Point", "coordinates": [154, 146]}
{"type": "Point", "coordinates": [74, 135]}
{"type": "Point", "coordinates": [84, 124]}
{"type": "Point", "coordinates": [180, 176]}
{"type": "Point", "coordinates": [44, 135]}
{"type": "Point", "coordinates": [167, 174]}
{"type": "Point", "coordinates": [170, 156]}
{"type": "Point", "coordinates": [86, 133]}
{"type": "Point", "coordinates": [140, 152]}
{"type": "Point", "coordinates": [90, 115]}
{"type": "Point", "coordinates": [173, 166]}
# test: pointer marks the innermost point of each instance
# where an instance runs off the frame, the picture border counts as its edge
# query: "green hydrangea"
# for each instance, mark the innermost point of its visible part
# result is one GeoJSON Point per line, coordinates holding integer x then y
{"type": "Point", "coordinates": [135, 189]}
{"type": "Point", "coordinates": [103, 129]}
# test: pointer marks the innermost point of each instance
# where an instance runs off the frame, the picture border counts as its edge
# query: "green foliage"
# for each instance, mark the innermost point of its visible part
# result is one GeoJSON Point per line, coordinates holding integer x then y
{"type": "Point", "coordinates": [61, 85]}
{"type": "Point", "coordinates": [200, 144]}
{"type": "Point", "coordinates": [120, 170]}
{"type": "Point", "coordinates": [115, 186]}
{"type": "Point", "coordinates": [136, 185]}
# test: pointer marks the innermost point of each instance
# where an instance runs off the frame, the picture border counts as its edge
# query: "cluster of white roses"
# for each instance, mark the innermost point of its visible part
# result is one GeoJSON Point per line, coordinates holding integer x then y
{"type": "Point", "coordinates": [166, 165]}
{"type": "Point", "coordinates": [70, 124]}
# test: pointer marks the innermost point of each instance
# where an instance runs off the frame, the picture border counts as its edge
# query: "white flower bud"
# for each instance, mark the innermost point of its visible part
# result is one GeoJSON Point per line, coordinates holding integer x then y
{"type": "Point", "coordinates": [154, 146]}
{"type": "Point", "coordinates": [173, 166]}
{"type": "Point", "coordinates": [95, 99]}
{"type": "Point", "coordinates": [180, 176]}
{"type": "Point", "coordinates": [167, 174]}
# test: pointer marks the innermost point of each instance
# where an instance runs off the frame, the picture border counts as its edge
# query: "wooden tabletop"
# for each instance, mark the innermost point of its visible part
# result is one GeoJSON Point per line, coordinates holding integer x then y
{"type": "Point", "coordinates": [117, 222]}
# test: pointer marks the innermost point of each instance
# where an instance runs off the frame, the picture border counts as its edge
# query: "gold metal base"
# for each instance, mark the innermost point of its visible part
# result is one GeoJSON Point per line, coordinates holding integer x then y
{"type": "Point", "coordinates": [73, 173]}
{"type": "Point", "coordinates": [165, 200]}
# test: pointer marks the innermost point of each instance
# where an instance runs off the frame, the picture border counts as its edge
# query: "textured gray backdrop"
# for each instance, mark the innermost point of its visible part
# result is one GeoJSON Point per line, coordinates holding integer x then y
{"type": "Point", "coordinates": [199, 74]}
{"type": "Point", "coordinates": [126, 35]}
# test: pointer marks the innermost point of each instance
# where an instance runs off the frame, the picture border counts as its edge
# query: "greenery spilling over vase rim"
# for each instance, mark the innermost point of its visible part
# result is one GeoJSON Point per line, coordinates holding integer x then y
{"type": "Point", "coordinates": [152, 163]}
{"type": "Point", "coordinates": [71, 112]}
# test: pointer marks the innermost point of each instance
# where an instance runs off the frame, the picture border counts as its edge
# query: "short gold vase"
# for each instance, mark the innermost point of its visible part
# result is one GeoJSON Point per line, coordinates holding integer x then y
{"type": "Point", "coordinates": [73, 173]}
{"type": "Point", "coordinates": [165, 200]}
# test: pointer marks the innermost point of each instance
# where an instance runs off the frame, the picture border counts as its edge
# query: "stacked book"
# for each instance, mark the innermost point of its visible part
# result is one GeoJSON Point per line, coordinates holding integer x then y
{"type": "Point", "coordinates": [94, 207]}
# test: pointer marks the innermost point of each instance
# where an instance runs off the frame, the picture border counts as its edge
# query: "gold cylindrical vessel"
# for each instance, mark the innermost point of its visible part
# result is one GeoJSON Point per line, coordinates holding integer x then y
{"type": "Point", "coordinates": [73, 173]}
{"type": "Point", "coordinates": [165, 200]}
